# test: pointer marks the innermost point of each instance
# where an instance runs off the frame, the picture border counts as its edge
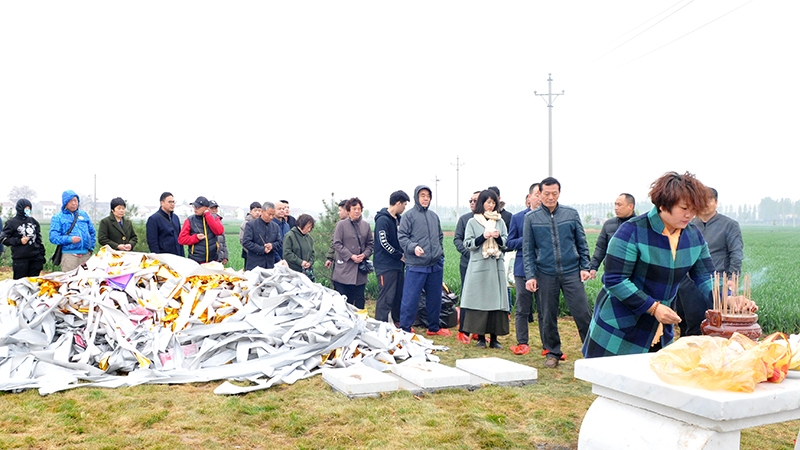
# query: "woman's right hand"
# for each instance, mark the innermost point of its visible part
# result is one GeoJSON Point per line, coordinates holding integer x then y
{"type": "Point", "coordinates": [666, 315]}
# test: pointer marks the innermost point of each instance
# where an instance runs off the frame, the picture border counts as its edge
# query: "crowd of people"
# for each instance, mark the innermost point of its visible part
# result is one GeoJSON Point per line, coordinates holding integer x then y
{"type": "Point", "coordinates": [650, 259]}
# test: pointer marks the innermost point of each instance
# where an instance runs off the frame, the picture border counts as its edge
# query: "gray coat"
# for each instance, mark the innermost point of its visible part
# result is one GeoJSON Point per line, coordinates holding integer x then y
{"type": "Point", "coordinates": [485, 286]}
{"type": "Point", "coordinates": [420, 226]}
{"type": "Point", "coordinates": [346, 244]}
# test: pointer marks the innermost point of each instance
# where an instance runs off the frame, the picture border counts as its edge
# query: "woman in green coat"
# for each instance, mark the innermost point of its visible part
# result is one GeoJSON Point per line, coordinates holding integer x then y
{"type": "Point", "coordinates": [115, 230]}
{"type": "Point", "coordinates": [484, 298]}
{"type": "Point", "coordinates": [298, 246]}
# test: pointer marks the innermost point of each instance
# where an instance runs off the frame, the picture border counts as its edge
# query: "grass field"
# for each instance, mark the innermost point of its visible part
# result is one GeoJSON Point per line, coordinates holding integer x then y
{"type": "Point", "coordinates": [546, 415]}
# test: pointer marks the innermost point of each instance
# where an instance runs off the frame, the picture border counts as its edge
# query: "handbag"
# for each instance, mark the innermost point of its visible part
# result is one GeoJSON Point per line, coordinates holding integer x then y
{"type": "Point", "coordinates": [366, 265]}
{"type": "Point", "coordinates": [56, 257]}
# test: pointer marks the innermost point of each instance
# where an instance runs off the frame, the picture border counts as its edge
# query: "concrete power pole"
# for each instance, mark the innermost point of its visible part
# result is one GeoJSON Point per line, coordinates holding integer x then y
{"type": "Point", "coordinates": [458, 195]}
{"type": "Point", "coordinates": [437, 180]}
{"type": "Point", "coordinates": [550, 99]}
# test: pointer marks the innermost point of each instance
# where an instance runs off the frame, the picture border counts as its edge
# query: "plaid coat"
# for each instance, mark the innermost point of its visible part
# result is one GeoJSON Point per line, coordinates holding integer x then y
{"type": "Point", "coordinates": [640, 271]}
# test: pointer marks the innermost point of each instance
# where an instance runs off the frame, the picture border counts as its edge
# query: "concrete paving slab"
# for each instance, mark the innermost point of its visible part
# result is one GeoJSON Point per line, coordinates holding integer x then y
{"type": "Point", "coordinates": [498, 370]}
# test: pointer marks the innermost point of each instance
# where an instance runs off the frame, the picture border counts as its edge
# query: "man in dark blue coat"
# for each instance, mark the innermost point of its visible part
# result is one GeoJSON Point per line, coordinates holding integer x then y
{"type": "Point", "coordinates": [163, 228]}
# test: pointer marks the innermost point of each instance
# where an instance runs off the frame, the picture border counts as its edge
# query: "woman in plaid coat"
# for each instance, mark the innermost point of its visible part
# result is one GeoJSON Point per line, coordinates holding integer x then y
{"type": "Point", "coordinates": [647, 258]}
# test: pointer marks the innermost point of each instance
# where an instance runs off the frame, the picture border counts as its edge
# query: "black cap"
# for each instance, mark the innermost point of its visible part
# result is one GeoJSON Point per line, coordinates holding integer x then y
{"type": "Point", "coordinates": [255, 205]}
{"type": "Point", "coordinates": [213, 204]}
{"type": "Point", "coordinates": [201, 201]}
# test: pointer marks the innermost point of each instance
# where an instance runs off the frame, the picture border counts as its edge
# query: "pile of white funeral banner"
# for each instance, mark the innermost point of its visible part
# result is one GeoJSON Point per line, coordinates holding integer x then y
{"type": "Point", "coordinates": [132, 318]}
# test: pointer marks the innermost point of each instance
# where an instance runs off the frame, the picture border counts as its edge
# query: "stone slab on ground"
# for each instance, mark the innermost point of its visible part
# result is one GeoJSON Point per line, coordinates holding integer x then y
{"type": "Point", "coordinates": [431, 375]}
{"type": "Point", "coordinates": [359, 380]}
{"type": "Point", "coordinates": [498, 370]}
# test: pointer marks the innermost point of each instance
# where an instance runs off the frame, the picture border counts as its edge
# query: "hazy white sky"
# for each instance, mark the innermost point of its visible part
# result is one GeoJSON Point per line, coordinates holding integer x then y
{"type": "Point", "coordinates": [257, 100]}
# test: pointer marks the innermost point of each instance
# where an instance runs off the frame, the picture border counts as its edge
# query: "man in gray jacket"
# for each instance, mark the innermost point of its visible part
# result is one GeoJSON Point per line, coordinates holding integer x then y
{"type": "Point", "coordinates": [421, 237]}
{"type": "Point", "coordinates": [724, 238]}
{"type": "Point", "coordinates": [556, 260]}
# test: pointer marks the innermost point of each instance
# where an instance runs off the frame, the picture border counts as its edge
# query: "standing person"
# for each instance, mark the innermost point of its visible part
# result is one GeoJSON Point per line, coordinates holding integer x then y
{"type": "Point", "coordinates": [281, 210]}
{"type": "Point", "coordinates": [222, 244]}
{"type": "Point", "coordinates": [73, 230]}
{"type": "Point", "coordinates": [525, 298]}
{"type": "Point", "coordinates": [115, 231]}
{"type": "Point", "coordinates": [624, 206]}
{"type": "Point", "coordinates": [24, 235]}
{"type": "Point", "coordinates": [352, 239]}
{"type": "Point", "coordinates": [289, 218]}
{"type": "Point", "coordinates": [2, 237]}
{"type": "Point", "coordinates": [298, 246]}
{"type": "Point", "coordinates": [255, 213]}
{"type": "Point", "coordinates": [725, 244]}
{"type": "Point", "coordinates": [458, 241]}
{"type": "Point", "coordinates": [556, 260]}
{"type": "Point", "coordinates": [389, 265]}
{"type": "Point", "coordinates": [331, 256]}
{"type": "Point", "coordinates": [501, 208]}
{"type": "Point", "coordinates": [421, 237]}
{"type": "Point", "coordinates": [484, 299]}
{"type": "Point", "coordinates": [164, 227]}
{"type": "Point", "coordinates": [647, 258]}
{"type": "Point", "coordinates": [200, 232]}
{"type": "Point", "coordinates": [262, 239]}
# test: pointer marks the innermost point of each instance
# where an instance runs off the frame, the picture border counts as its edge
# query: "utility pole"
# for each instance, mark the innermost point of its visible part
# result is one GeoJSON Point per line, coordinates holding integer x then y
{"type": "Point", "coordinates": [436, 180]}
{"type": "Point", "coordinates": [549, 101]}
{"type": "Point", "coordinates": [458, 195]}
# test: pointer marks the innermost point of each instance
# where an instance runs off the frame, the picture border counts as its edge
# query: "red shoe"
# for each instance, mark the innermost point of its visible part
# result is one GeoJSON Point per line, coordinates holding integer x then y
{"type": "Point", "coordinates": [521, 349]}
{"type": "Point", "coordinates": [563, 355]}
{"type": "Point", "coordinates": [441, 332]}
{"type": "Point", "coordinates": [474, 337]}
{"type": "Point", "coordinates": [462, 337]}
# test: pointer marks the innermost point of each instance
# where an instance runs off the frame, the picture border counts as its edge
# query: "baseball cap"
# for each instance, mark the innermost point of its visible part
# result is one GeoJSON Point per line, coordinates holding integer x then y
{"type": "Point", "coordinates": [201, 201]}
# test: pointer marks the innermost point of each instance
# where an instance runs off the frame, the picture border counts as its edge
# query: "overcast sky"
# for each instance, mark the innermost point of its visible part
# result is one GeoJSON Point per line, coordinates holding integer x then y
{"type": "Point", "coordinates": [256, 100]}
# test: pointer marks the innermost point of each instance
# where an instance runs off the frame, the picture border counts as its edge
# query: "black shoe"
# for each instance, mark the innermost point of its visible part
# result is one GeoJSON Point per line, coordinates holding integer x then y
{"type": "Point", "coordinates": [481, 343]}
{"type": "Point", "coordinates": [495, 344]}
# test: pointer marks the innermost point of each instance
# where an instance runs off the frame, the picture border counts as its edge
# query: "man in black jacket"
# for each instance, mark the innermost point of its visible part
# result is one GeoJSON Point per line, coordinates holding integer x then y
{"type": "Point", "coordinates": [388, 258]}
{"type": "Point", "coordinates": [24, 235]}
{"type": "Point", "coordinates": [624, 207]}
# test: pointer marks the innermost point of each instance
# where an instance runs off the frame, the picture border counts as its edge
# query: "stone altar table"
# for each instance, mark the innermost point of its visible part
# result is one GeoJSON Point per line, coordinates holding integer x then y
{"type": "Point", "coordinates": [636, 410]}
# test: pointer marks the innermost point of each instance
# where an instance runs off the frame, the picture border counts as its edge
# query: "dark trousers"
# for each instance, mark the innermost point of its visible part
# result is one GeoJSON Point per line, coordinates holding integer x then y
{"type": "Point", "coordinates": [353, 292]}
{"type": "Point", "coordinates": [691, 307]}
{"type": "Point", "coordinates": [390, 295]}
{"type": "Point", "coordinates": [462, 268]}
{"type": "Point", "coordinates": [415, 282]}
{"type": "Point", "coordinates": [526, 301]}
{"type": "Point", "coordinates": [577, 302]}
{"type": "Point", "coordinates": [28, 267]}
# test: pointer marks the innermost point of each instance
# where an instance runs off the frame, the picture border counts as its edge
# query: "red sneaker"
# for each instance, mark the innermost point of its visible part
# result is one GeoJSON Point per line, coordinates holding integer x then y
{"type": "Point", "coordinates": [462, 337]}
{"type": "Point", "coordinates": [474, 336]}
{"type": "Point", "coordinates": [563, 355]}
{"type": "Point", "coordinates": [521, 349]}
{"type": "Point", "coordinates": [441, 332]}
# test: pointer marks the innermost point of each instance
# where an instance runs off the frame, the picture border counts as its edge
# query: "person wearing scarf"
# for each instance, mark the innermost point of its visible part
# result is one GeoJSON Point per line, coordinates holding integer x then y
{"type": "Point", "coordinates": [484, 297]}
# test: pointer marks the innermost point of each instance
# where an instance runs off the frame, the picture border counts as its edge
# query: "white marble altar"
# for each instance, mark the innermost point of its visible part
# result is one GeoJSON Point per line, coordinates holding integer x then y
{"type": "Point", "coordinates": [636, 409]}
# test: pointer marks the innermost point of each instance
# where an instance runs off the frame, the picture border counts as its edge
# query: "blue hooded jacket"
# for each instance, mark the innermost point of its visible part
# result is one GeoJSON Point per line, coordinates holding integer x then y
{"type": "Point", "coordinates": [83, 227]}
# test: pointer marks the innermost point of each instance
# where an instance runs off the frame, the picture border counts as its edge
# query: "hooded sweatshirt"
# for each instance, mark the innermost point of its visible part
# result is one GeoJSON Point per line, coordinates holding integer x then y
{"type": "Point", "coordinates": [83, 228]}
{"type": "Point", "coordinates": [388, 253]}
{"type": "Point", "coordinates": [20, 226]}
{"type": "Point", "coordinates": [420, 226]}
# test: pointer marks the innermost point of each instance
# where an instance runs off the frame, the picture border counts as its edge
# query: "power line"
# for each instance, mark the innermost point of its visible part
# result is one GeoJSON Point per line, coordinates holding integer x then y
{"type": "Point", "coordinates": [686, 34]}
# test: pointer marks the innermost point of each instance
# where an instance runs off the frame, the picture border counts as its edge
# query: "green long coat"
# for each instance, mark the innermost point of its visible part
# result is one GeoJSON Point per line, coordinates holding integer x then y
{"type": "Point", "coordinates": [110, 233]}
{"type": "Point", "coordinates": [485, 286]}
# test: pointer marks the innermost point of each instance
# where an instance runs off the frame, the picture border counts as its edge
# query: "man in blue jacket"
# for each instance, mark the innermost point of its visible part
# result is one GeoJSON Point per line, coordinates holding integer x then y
{"type": "Point", "coordinates": [164, 227]}
{"type": "Point", "coordinates": [76, 244]}
{"type": "Point", "coordinates": [388, 258]}
{"type": "Point", "coordinates": [421, 239]}
{"type": "Point", "coordinates": [525, 298]}
{"type": "Point", "coordinates": [556, 259]}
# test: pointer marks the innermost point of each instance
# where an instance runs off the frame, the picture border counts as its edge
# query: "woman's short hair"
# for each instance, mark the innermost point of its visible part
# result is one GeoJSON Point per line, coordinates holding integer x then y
{"type": "Point", "coordinates": [353, 201]}
{"type": "Point", "coordinates": [304, 220]}
{"type": "Point", "coordinates": [672, 188]}
{"type": "Point", "coordinates": [482, 197]}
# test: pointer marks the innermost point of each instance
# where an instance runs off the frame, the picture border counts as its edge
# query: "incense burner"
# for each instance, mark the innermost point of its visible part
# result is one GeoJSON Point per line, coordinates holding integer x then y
{"type": "Point", "coordinates": [724, 325]}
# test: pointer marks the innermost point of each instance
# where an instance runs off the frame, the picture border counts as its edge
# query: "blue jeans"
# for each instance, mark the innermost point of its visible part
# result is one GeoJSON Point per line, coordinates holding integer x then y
{"type": "Point", "coordinates": [415, 282]}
